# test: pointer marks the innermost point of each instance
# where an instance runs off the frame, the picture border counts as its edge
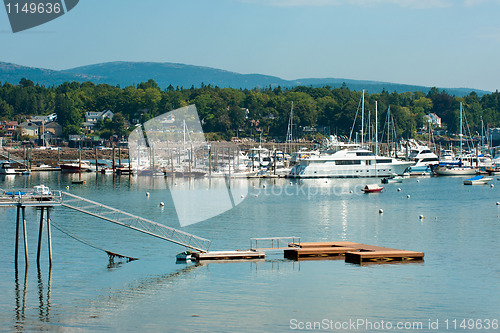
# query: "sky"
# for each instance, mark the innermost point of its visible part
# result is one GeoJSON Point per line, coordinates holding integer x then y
{"type": "Point", "coordinates": [442, 43]}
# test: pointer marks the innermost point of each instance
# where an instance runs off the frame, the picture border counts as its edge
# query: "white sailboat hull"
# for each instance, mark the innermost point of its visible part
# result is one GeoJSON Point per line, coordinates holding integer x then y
{"type": "Point", "coordinates": [455, 171]}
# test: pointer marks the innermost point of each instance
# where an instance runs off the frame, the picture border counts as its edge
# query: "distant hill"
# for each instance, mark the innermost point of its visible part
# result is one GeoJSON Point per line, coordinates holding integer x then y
{"type": "Point", "coordinates": [181, 75]}
{"type": "Point", "coordinates": [13, 73]}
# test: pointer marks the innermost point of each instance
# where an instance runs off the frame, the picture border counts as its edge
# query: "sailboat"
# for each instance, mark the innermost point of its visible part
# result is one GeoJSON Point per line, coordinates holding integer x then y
{"type": "Point", "coordinates": [455, 169]}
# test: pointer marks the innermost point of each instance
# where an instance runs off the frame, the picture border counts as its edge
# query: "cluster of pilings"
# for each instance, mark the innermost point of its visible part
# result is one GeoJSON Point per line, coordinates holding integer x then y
{"type": "Point", "coordinates": [44, 215]}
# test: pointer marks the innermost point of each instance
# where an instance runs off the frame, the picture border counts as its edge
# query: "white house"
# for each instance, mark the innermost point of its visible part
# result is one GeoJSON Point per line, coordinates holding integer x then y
{"type": "Point", "coordinates": [92, 117]}
{"type": "Point", "coordinates": [433, 119]}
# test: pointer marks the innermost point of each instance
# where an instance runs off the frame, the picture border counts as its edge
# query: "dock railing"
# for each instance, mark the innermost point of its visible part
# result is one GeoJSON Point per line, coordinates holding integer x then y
{"type": "Point", "coordinates": [29, 197]}
{"type": "Point", "coordinates": [134, 222]}
{"type": "Point", "coordinates": [274, 243]}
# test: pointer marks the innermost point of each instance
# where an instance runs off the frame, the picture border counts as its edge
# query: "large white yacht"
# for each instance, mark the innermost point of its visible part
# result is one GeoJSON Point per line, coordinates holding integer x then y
{"type": "Point", "coordinates": [348, 163]}
{"type": "Point", "coordinates": [424, 159]}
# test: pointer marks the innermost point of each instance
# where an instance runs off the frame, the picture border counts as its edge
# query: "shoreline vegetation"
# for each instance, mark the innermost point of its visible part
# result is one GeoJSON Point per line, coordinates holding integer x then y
{"type": "Point", "coordinates": [259, 113]}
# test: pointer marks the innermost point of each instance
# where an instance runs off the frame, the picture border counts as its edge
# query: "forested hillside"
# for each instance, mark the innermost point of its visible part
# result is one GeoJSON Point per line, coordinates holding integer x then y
{"type": "Point", "coordinates": [229, 112]}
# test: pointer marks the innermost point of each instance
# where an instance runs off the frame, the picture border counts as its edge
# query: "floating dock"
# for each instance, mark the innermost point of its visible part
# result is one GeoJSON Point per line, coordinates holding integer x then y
{"type": "Point", "coordinates": [228, 255]}
{"type": "Point", "coordinates": [351, 252]}
{"type": "Point", "coordinates": [294, 249]}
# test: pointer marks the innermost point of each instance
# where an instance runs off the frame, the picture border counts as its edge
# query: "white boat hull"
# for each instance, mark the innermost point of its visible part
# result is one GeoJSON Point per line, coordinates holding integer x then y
{"type": "Point", "coordinates": [355, 171]}
{"type": "Point", "coordinates": [455, 171]}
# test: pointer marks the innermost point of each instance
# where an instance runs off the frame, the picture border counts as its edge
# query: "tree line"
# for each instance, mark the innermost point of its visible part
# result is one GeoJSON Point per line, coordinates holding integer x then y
{"type": "Point", "coordinates": [228, 112]}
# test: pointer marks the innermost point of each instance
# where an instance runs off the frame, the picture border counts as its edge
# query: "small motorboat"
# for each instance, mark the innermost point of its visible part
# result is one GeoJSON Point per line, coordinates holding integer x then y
{"type": "Point", "coordinates": [75, 167]}
{"type": "Point", "coordinates": [392, 179]}
{"type": "Point", "coordinates": [42, 193]}
{"type": "Point", "coordinates": [478, 180]}
{"type": "Point", "coordinates": [183, 256]}
{"type": "Point", "coordinates": [7, 169]}
{"type": "Point", "coordinates": [372, 188]}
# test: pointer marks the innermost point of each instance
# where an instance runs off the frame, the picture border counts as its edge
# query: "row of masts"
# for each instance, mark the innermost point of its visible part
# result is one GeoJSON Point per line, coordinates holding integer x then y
{"type": "Point", "coordinates": [391, 130]}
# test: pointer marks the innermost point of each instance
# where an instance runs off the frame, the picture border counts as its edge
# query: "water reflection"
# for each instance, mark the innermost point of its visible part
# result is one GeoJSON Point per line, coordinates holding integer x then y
{"type": "Point", "coordinates": [21, 298]}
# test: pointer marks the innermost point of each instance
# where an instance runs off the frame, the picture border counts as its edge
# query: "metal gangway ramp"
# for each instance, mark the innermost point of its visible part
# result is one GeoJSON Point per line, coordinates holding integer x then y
{"type": "Point", "coordinates": [134, 222]}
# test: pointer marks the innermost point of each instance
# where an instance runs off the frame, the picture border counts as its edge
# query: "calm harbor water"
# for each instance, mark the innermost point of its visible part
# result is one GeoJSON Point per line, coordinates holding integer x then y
{"type": "Point", "coordinates": [460, 278]}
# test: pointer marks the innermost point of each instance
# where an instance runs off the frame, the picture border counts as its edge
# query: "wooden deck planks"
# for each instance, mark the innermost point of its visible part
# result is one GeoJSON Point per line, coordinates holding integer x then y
{"type": "Point", "coordinates": [295, 253]}
{"type": "Point", "coordinates": [353, 252]}
{"type": "Point", "coordinates": [383, 256]}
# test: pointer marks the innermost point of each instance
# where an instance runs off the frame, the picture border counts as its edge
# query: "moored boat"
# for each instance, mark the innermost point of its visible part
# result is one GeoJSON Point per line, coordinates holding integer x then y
{"type": "Point", "coordinates": [75, 167]}
{"type": "Point", "coordinates": [478, 180]}
{"type": "Point", "coordinates": [348, 163]}
{"type": "Point", "coordinates": [7, 169]}
{"type": "Point", "coordinates": [372, 188]}
{"type": "Point", "coordinates": [392, 179]}
{"type": "Point", "coordinates": [454, 171]}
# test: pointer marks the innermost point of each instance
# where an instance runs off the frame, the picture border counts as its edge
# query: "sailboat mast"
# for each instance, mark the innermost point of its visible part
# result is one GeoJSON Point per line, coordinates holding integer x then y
{"type": "Point", "coordinates": [290, 131]}
{"type": "Point", "coordinates": [376, 128]}
{"type": "Point", "coordinates": [184, 135]}
{"type": "Point", "coordinates": [460, 130]}
{"type": "Point", "coordinates": [429, 124]}
{"type": "Point", "coordinates": [362, 117]}
{"type": "Point", "coordinates": [482, 134]}
{"type": "Point", "coordinates": [388, 130]}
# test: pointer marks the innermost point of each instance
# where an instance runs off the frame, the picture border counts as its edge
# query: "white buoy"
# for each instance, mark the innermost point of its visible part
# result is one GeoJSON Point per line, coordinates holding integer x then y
{"type": "Point", "coordinates": [421, 217]}
{"type": "Point", "coordinates": [492, 185]}
{"type": "Point", "coordinates": [399, 190]}
{"type": "Point", "coordinates": [242, 196]}
{"type": "Point", "coordinates": [498, 203]}
{"type": "Point", "coordinates": [291, 183]}
{"type": "Point", "coordinates": [162, 204]}
{"type": "Point", "coordinates": [256, 195]}
{"type": "Point", "coordinates": [350, 191]}
{"type": "Point", "coordinates": [264, 186]}
{"type": "Point", "coordinates": [380, 211]}
{"type": "Point", "coordinates": [408, 196]}
{"type": "Point", "coordinates": [418, 180]}
{"type": "Point", "coordinates": [147, 194]}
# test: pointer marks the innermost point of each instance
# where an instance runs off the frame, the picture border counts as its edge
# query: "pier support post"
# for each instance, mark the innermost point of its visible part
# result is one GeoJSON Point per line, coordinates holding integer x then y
{"type": "Point", "coordinates": [17, 234]}
{"type": "Point", "coordinates": [40, 237]}
{"type": "Point", "coordinates": [25, 236]}
{"type": "Point", "coordinates": [49, 238]}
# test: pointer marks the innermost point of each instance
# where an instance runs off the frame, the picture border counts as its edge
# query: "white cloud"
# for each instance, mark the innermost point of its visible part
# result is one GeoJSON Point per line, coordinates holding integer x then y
{"type": "Point", "coordinates": [472, 3]}
{"type": "Point", "coordinates": [420, 4]}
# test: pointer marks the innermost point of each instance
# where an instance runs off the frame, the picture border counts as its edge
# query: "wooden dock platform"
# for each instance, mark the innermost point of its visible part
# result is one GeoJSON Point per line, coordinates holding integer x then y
{"type": "Point", "coordinates": [351, 252]}
{"type": "Point", "coordinates": [228, 255]}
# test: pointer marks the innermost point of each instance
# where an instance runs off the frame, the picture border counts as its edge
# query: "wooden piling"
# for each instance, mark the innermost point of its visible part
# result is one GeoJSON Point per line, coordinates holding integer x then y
{"type": "Point", "coordinates": [17, 234]}
{"type": "Point", "coordinates": [96, 163]}
{"type": "Point", "coordinates": [25, 235]}
{"type": "Point", "coordinates": [113, 161]}
{"type": "Point", "coordinates": [49, 237]}
{"type": "Point", "coordinates": [40, 237]}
